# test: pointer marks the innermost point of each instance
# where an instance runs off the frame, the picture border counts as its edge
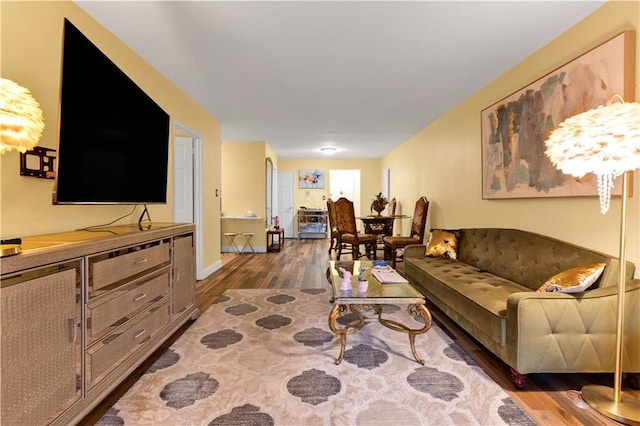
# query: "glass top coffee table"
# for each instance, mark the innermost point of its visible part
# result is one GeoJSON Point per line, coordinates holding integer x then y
{"type": "Point", "coordinates": [365, 302]}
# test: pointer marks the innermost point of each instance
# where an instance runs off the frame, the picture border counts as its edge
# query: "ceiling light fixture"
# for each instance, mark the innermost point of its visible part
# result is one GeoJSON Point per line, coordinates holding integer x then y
{"type": "Point", "coordinates": [328, 149]}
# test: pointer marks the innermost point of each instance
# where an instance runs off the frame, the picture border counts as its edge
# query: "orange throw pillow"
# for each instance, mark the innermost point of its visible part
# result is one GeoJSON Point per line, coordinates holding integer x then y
{"type": "Point", "coordinates": [573, 280]}
{"type": "Point", "coordinates": [442, 244]}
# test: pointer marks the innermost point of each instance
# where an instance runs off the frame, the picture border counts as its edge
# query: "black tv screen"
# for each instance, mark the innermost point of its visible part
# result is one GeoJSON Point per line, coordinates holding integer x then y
{"type": "Point", "coordinates": [114, 139]}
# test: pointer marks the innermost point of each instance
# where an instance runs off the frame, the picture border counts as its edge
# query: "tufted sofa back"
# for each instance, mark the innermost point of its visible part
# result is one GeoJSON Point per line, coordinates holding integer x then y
{"type": "Point", "coordinates": [528, 258]}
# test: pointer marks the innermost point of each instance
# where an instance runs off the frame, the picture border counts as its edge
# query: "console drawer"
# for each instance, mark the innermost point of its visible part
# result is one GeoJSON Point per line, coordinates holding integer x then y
{"type": "Point", "coordinates": [118, 266]}
{"type": "Point", "coordinates": [107, 313]}
{"type": "Point", "coordinates": [107, 353]}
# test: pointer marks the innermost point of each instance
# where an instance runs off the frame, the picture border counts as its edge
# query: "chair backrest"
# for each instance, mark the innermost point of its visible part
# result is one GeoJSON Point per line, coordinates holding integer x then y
{"type": "Point", "coordinates": [391, 211]}
{"type": "Point", "coordinates": [345, 216]}
{"type": "Point", "coordinates": [420, 218]}
{"type": "Point", "coordinates": [392, 207]}
{"type": "Point", "coordinates": [333, 220]}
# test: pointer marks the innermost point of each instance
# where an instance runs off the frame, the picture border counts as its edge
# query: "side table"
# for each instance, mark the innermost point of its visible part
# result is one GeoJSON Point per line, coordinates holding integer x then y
{"type": "Point", "coordinates": [274, 244]}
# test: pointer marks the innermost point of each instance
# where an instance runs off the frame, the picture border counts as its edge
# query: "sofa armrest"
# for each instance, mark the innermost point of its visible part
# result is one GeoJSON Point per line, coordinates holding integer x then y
{"type": "Point", "coordinates": [555, 332]}
{"type": "Point", "coordinates": [415, 250]}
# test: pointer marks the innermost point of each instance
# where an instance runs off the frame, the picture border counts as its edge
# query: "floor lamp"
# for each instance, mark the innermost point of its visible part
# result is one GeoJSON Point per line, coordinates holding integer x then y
{"type": "Point", "coordinates": [21, 125]}
{"type": "Point", "coordinates": [604, 141]}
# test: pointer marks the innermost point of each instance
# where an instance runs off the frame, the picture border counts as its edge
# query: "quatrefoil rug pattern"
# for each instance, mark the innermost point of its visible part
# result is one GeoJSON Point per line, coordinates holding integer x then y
{"type": "Point", "coordinates": [266, 357]}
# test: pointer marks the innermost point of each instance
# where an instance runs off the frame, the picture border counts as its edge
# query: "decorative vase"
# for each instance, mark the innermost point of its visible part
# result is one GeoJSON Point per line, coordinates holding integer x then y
{"type": "Point", "coordinates": [378, 208]}
{"type": "Point", "coordinates": [346, 285]}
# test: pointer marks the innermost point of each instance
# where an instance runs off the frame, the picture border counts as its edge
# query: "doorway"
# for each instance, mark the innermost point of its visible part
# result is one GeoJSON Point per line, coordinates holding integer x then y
{"type": "Point", "coordinates": [285, 202]}
{"type": "Point", "coordinates": [187, 185]}
{"type": "Point", "coordinates": [345, 183]}
{"type": "Point", "coordinates": [183, 179]}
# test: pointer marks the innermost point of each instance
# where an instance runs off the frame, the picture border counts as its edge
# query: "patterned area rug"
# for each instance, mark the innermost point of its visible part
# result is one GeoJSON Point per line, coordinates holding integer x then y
{"type": "Point", "coordinates": [266, 357]}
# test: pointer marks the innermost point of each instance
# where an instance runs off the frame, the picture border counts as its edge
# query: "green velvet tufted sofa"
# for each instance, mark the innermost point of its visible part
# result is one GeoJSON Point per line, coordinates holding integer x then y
{"type": "Point", "coordinates": [490, 291]}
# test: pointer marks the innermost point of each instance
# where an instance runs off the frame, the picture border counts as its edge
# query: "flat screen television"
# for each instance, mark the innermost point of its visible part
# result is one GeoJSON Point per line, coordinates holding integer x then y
{"type": "Point", "coordinates": [113, 138]}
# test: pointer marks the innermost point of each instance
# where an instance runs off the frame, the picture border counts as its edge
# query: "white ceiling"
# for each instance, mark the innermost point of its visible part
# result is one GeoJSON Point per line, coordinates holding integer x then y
{"type": "Point", "coordinates": [362, 76]}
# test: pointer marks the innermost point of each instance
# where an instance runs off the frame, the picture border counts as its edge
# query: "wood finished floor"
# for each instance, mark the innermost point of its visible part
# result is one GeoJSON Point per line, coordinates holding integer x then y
{"type": "Point", "coordinates": [548, 398]}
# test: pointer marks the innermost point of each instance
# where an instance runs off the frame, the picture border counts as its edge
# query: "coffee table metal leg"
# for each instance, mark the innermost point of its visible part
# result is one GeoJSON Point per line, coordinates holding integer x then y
{"type": "Point", "coordinates": [426, 315]}
{"type": "Point", "coordinates": [333, 315]}
{"type": "Point", "coordinates": [413, 310]}
{"type": "Point", "coordinates": [350, 328]}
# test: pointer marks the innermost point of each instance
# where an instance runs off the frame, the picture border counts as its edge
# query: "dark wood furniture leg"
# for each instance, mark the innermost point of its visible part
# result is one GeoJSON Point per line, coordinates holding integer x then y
{"type": "Point", "coordinates": [519, 380]}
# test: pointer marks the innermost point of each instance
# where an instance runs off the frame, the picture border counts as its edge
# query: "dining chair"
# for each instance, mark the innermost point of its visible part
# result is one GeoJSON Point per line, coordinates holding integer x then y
{"type": "Point", "coordinates": [333, 226]}
{"type": "Point", "coordinates": [391, 210]}
{"type": "Point", "coordinates": [416, 236]}
{"type": "Point", "coordinates": [349, 237]}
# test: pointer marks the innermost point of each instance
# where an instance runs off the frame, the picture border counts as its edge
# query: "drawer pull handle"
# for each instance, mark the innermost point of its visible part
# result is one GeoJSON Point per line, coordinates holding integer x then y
{"type": "Point", "coordinates": [141, 261]}
{"type": "Point", "coordinates": [139, 333]}
{"type": "Point", "coordinates": [142, 296]}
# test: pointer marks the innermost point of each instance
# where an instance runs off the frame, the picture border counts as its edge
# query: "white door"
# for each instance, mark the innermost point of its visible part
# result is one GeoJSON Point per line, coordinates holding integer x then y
{"type": "Point", "coordinates": [183, 179]}
{"type": "Point", "coordinates": [345, 183]}
{"type": "Point", "coordinates": [188, 187]}
{"type": "Point", "coordinates": [285, 202]}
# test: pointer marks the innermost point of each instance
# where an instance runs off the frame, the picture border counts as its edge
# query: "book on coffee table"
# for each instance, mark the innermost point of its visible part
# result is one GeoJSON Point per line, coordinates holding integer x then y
{"type": "Point", "coordinates": [388, 276]}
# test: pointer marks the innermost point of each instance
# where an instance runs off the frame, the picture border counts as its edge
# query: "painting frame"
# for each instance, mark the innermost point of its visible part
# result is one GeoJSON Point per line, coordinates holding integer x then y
{"type": "Point", "coordinates": [310, 179]}
{"type": "Point", "coordinates": [514, 129]}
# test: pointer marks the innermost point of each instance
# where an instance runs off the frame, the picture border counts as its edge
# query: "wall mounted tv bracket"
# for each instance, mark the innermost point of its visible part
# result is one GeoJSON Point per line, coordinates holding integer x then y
{"type": "Point", "coordinates": [39, 162]}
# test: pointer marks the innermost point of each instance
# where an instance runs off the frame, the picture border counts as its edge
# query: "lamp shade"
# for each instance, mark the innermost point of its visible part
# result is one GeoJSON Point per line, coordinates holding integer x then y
{"type": "Point", "coordinates": [21, 121]}
{"type": "Point", "coordinates": [604, 141]}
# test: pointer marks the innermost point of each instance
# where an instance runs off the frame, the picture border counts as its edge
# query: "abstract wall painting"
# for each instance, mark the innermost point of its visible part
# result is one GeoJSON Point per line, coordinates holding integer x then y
{"type": "Point", "coordinates": [514, 129]}
{"type": "Point", "coordinates": [310, 179]}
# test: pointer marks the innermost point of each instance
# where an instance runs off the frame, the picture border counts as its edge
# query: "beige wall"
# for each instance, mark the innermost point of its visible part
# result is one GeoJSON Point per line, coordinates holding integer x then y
{"type": "Point", "coordinates": [31, 37]}
{"type": "Point", "coordinates": [443, 160]}
{"type": "Point", "coordinates": [244, 189]}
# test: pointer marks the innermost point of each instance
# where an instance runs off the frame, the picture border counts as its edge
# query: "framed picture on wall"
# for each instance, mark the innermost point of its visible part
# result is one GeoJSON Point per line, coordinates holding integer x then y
{"type": "Point", "coordinates": [310, 179]}
{"type": "Point", "coordinates": [514, 130]}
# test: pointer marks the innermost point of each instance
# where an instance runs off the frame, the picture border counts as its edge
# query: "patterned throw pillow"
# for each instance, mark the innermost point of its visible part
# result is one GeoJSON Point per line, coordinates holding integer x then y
{"type": "Point", "coordinates": [573, 280]}
{"type": "Point", "coordinates": [442, 244]}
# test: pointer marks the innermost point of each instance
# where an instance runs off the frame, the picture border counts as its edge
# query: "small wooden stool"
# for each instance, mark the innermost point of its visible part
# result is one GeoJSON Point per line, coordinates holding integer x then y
{"type": "Point", "coordinates": [231, 238]}
{"type": "Point", "coordinates": [247, 241]}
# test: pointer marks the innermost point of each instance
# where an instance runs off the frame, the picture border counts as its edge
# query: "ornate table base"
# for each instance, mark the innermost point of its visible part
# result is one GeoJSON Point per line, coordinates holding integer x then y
{"type": "Point", "coordinates": [356, 325]}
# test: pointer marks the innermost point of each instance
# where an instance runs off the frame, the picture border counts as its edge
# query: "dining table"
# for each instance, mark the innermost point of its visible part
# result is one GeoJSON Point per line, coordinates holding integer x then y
{"type": "Point", "coordinates": [380, 225]}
